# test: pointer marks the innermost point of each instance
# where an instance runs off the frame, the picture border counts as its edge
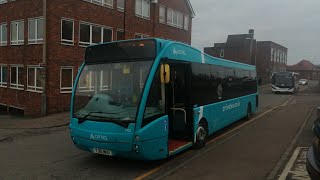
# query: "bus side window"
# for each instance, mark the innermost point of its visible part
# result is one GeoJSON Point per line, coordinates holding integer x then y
{"type": "Point", "coordinates": [153, 109]}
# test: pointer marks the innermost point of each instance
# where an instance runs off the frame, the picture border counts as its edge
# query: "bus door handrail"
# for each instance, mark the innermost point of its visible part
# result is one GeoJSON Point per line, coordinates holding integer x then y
{"type": "Point", "coordinates": [184, 112]}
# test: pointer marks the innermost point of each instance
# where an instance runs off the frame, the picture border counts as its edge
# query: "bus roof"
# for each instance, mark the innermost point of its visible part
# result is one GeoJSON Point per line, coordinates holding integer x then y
{"type": "Point", "coordinates": [184, 52]}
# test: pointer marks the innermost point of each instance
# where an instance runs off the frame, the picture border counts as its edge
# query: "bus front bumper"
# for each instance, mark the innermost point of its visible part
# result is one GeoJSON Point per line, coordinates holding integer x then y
{"type": "Point", "coordinates": [276, 89]}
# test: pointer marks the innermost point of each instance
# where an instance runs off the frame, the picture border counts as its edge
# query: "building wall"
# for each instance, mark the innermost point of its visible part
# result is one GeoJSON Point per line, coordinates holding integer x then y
{"type": "Point", "coordinates": [59, 55]}
{"type": "Point", "coordinates": [271, 57]}
{"type": "Point", "coordinates": [20, 54]}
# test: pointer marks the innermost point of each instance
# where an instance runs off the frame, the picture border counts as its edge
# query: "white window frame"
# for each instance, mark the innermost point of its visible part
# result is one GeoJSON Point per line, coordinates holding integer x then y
{"type": "Point", "coordinates": [3, 1]}
{"type": "Point", "coordinates": [179, 16]}
{"type": "Point", "coordinates": [35, 88]}
{"type": "Point", "coordinates": [17, 86]}
{"type": "Point", "coordinates": [143, 36]}
{"type": "Point", "coordinates": [18, 41]}
{"type": "Point", "coordinates": [101, 3]}
{"type": "Point", "coordinates": [37, 40]}
{"type": "Point", "coordinates": [163, 21]}
{"type": "Point", "coordinates": [66, 89]}
{"type": "Point", "coordinates": [186, 22]}
{"type": "Point", "coordinates": [85, 44]}
{"type": "Point", "coordinates": [3, 42]}
{"type": "Point", "coordinates": [2, 83]}
{"type": "Point", "coordinates": [107, 87]}
{"type": "Point", "coordinates": [121, 9]}
{"type": "Point", "coordinates": [67, 41]}
{"type": "Point", "coordinates": [222, 53]}
{"type": "Point", "coordinates": [141, 14]}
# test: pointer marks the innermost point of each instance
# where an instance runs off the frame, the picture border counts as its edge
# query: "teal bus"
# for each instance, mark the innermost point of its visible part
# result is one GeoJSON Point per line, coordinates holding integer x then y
{"type": "Point", "coordinates": [149, 99]}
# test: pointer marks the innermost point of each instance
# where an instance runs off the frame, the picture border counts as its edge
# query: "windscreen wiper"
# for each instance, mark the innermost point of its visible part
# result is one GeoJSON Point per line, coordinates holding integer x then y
{"type": "Point", "coordinates": [84, 118]}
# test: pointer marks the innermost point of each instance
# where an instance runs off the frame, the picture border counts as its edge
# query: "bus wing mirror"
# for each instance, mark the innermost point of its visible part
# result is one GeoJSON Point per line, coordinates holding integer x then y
{"type": "Point", "coordinates": [165, 73]}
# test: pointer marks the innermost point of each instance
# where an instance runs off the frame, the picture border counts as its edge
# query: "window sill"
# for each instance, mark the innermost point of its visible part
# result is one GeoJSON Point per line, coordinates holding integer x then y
{"type": "Point", "coordinates": [17, 44]}
{"type": "Point", "coordinates": [20, 89]}
{"type": "Point", "coordinates": [65, 92]}
{"type": "Point", "coordinates": [35, 43]}
{"type": "Point", "coordinates": [142, 17]}
{"type": "Point", "coordinates": [120, 9]}
{"type": "Point", "coordinates": [3, 86]}
{"type": "Point", "coordinates": [66, 44]}
{"type": "Point", "coordinates": [40, 92]}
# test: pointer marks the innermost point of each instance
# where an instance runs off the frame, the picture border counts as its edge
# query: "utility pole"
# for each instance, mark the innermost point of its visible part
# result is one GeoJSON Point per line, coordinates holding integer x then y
{"type": "Point", "coordinates": [124, 18]}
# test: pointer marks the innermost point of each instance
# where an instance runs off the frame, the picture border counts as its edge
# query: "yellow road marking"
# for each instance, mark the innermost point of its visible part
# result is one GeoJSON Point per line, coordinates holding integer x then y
{"type": "Point", "coordinates": [213, 140]}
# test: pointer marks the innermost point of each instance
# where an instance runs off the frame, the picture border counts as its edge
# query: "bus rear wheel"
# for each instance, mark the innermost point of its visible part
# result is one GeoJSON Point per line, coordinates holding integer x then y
{"type": "Point", "coordinates": [201, 135]}
{"type": "Point", "coordinates": [249, 112]}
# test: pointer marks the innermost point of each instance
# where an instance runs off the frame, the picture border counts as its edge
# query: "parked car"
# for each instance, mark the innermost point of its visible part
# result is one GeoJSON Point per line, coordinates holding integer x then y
{"type": "Point", "coordinates": [303, 82]}
{"type": "Point", "coordinates": [313, 155]}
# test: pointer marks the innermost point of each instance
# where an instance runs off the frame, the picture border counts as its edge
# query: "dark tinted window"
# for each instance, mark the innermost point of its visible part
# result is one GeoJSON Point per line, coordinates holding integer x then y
{"type": "Point", "coordinates": [143, 49]}
{"type": "Point", "coordinates": [212, 83]}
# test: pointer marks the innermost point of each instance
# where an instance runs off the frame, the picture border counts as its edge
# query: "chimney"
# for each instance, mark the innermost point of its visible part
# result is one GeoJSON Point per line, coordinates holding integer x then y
{"type": "Point", "coordinates": [251, 33]}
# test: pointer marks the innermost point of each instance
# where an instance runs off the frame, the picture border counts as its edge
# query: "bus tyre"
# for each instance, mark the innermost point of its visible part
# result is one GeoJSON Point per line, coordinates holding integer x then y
{"type": "Point", "coordinates": [249, 112]}
{"type": "Point", "coordinates": [201, 135]}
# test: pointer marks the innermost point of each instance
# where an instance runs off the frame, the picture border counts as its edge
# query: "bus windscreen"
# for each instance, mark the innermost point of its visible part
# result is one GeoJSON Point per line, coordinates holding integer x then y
{"type": "Point", "coordinates": [126, 50]}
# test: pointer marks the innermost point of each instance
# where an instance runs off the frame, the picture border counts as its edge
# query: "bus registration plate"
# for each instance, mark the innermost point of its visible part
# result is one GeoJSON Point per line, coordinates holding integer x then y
{"type": "Point", "coordinates": [102, 151]}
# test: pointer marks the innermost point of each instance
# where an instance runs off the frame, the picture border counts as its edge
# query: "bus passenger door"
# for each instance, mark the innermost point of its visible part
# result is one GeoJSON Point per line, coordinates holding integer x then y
{"type": "Point", "coordinates": [178, 102]}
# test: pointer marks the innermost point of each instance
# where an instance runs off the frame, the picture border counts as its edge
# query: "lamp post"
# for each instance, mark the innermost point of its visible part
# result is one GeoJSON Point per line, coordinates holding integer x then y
{"type": "Point", "coordinates": [124, 18]}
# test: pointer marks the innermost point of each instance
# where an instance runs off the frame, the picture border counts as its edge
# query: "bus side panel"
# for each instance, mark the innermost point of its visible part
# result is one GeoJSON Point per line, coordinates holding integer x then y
{"type": "Point", "coordinates": [222, 114]}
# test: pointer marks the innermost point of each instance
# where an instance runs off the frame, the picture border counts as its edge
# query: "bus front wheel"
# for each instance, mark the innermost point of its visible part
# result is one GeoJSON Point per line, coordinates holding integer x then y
{"type": "Point", "coordinates": [201, 135]}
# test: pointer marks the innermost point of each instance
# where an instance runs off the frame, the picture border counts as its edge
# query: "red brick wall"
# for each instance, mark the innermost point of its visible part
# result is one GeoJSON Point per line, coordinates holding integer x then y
{"type": "Point", "coordinates": [62, 55]}
{"type": "Point", "coordinates": [24, 54]}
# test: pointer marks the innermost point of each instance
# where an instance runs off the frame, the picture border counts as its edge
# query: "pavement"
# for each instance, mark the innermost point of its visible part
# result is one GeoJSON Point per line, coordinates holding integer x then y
{"type": "Point", "coordinates": [8, 122]}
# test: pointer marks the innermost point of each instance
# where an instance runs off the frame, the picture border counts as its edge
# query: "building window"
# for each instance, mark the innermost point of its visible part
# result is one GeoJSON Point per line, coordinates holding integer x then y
{"type": "Point", "coordinates": [106, 80]}
{"type": "Point", "coordinates": [174, 18]}
{"type": "Point", "coordinates": [143, 8]}
{"type": "Point", "coordinates": [67, 31]}
{"type": "Point", "coordinates": [140, 36]}
{"type": "Point", "coordinates": [186, 22]}
{"type": "Point", "coordinates": [16, 76]}
{"type": "Point", "coordinates": [3, 75]}
{"type": "Point", "coordinates": [3, 1]}
{"type": "Point", "coordinates": [66, 79]}
{"type": "Point", "coordinates": [35, 31]}
{"type": "Point", "coordinates": [106, 3]}
{"type": "Point", "coordinates": [162, 14]}
{"type": "Point", "coordinates": [17, 33]}
{"type": "Point", "coordinates": [222, 53]}
{"type": "Point", "coordinates": [120, 35]}
{"type": "Point", "coordinates": [120, 5]}
{"type": "Point", "coordinates": [3, 34]}
{"type": "Point", "coordinates": [93, 34]}
{"type": "Point", "coordinates": [35, 79]}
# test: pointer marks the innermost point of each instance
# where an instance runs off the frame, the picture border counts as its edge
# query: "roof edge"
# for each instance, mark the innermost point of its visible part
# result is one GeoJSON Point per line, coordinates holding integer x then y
{"type": "Point", "coordinates": [191, 9]}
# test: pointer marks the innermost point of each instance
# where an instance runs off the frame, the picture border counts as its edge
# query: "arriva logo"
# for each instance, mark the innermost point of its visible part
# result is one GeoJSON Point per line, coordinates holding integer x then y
{"type": "Point", "coordinates": [179, 52]}
{"type": "Point", "coordinates": [98, 137]}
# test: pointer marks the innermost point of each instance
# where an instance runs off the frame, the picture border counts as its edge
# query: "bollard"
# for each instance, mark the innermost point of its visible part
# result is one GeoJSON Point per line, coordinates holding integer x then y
{"type": "Point", "coordinates": [318, 112]}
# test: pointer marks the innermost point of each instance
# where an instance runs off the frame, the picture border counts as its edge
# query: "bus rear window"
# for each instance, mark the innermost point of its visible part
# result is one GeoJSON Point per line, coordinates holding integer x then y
{"type": "Point", "coordinates": [137, 49]}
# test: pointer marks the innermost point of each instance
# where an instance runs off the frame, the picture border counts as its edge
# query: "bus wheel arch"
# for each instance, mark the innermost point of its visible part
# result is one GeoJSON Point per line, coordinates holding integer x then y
{"type": "Point", "coordinates": [201, 134]}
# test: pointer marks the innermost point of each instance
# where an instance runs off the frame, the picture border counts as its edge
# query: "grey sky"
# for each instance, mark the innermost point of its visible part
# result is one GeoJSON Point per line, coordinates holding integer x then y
{"type": "Point", "coordinates": [291, 23]}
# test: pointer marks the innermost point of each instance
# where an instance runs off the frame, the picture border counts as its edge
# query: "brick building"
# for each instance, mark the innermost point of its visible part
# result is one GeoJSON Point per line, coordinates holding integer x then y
{"type": "Point", "coordinates": [239, 47]}
{"type": "Point", "coordinates": [271, 57]}
{"type": "Point", "coordinates": [42, 43]}
{"type": "Point", "coordinates": [268, 56]}
{"type": "Point", "coordinates": [306, 70]}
